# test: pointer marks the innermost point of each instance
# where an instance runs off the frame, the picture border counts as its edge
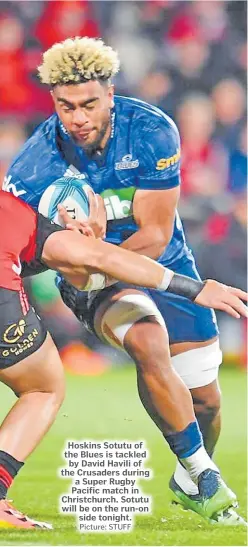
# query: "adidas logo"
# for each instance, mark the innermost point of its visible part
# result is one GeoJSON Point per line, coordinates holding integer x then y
{"type": "Point", "coordinates": [71, 171]}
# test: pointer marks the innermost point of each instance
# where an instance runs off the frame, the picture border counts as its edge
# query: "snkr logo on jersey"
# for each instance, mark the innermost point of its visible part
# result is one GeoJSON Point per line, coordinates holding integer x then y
{"type": "Point", "coordinates": [11, 187]}
{"type": "Point", "coordinates": [164, 163]}
{"type": "Point", "coordinates": [126, 163]}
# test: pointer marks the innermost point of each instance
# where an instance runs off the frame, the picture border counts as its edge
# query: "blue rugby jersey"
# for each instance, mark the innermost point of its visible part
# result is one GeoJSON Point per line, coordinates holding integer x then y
{"type": "Point", "coordinates": [143, 152]}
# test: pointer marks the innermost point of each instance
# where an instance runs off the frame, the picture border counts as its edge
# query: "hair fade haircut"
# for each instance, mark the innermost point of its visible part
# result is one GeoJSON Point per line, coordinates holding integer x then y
{"type": "Point", "coordinates": [78, 60]}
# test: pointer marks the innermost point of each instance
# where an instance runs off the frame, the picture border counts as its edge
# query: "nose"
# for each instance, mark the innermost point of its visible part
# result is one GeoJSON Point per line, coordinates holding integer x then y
{"type": "Point", "coordinates": [79, 118]}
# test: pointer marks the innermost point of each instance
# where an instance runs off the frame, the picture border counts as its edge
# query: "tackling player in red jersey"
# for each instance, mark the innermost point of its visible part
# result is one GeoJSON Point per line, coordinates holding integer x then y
{"type": "Point", "coordinates": [29, 361]}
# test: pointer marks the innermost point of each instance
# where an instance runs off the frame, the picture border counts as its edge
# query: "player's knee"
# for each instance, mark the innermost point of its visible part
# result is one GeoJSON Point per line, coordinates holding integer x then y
{"type": "Point", "coordinates": [43, 375]}
{"type": "Point", "coordinates": [55, 388]}
{"type": "Point", "coordinates": [52, 377]}
{"type": "Point", "coordinates": [207, 410]}
{"type": "Point", "coordinates": [58, 391]}
{"type": "Point", "coordinates": [52, 397]}
{"type": "Point", "coordinates": [208, 404]}
{"type": "Point", "coordinates": [147, 342]}
{"type": "Point", "coordinates": [57, 394]}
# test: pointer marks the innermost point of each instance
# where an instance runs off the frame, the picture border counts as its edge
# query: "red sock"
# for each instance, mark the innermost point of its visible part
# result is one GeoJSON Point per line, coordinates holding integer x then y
{"type": "Point", "coordinates": [5, 481]}
{"type": "Point", "coordinates": [9, 468]}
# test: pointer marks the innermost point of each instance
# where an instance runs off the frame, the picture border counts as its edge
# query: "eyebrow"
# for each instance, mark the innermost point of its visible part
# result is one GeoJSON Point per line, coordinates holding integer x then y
{"type": "Point", "coordinates": [71, 105]}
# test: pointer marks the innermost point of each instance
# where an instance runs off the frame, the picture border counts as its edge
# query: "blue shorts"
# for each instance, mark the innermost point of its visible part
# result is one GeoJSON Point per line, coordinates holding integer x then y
{"type": "Point", "coordinates": [185, 321]}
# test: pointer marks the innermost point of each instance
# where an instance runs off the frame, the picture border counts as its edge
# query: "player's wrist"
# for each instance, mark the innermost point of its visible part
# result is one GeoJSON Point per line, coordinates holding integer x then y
{"type": "Point", "coordinates": [181, 285]}
{"type": "Point", "coordinates": [166, 280]}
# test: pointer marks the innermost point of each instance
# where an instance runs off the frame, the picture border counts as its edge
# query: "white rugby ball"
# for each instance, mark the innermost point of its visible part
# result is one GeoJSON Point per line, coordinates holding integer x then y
{"type": "Point", "coordinates": [71, 193]}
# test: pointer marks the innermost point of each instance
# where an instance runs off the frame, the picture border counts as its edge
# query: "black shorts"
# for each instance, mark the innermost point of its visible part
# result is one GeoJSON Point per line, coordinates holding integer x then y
{"type": "Point", "coordinates": [45, 228]}
{"type": "Point", "coordinates": [21, 330]}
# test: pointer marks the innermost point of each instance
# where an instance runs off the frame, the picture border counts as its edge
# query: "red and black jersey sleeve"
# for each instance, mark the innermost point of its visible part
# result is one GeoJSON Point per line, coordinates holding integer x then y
{"type": "Point", "coordinates": [45, 228]}
{"type": "Point", "coordinates": [17, 238]}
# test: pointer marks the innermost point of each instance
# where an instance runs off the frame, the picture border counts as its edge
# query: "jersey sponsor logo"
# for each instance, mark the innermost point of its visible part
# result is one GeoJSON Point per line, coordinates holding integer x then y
{"type": "Point", "coordinates": [127, 162]}
{"type": "Point", "coordinates": [117, 208]}
{"type": "Point", "coordinates": [11, 187]}
{"type": "Point", "coordinates": [164, 163]}
{"type": "Point", "coordinates": [14, 332]}
{"type": "Point", "coordinates": [73, 172]}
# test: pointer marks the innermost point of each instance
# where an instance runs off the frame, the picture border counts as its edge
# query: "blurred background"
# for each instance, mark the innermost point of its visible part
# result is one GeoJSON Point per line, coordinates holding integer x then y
{"type": "Point", "coordinates": [188, 58]}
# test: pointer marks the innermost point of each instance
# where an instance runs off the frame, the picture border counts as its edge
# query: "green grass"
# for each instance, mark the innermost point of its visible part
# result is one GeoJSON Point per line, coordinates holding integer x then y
{"type": "Point", "coordinates": [107, 407]}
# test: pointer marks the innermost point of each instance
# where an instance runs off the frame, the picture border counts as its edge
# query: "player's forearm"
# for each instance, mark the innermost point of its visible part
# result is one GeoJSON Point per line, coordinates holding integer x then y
{"type": "Point", "coordinates": [149, 241]}
{"type": "Point", "coordinates": [116, 263]}
{"type": "Point", "coordinates": [75, 255]}
{"type": "Point", "coordinates": [129, 267]}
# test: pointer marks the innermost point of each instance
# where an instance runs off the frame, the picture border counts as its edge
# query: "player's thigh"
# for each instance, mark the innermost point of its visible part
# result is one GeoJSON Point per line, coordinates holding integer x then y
{"type": "Point", "coordinates": [29, 360]}
{"type": "Point", "coordinates": [128, 317]}
{"type": "Point", "coordinates": [41, 371]}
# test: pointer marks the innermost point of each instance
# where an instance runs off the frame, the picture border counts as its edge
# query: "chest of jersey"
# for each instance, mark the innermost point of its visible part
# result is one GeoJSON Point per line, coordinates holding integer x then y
{"type": "Point", "coordinates": [112, 175]}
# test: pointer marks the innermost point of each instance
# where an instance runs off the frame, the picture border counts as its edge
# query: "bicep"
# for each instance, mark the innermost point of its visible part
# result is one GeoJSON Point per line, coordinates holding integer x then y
{"type": "Point", "coordinates": [156, 207]}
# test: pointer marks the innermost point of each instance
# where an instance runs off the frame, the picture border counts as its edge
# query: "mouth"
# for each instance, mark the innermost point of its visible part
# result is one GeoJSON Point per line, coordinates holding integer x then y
{"type": "Point", "coordinates": [82, 135]}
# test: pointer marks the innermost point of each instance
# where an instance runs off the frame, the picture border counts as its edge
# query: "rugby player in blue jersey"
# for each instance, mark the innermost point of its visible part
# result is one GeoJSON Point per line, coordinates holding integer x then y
{"type": "Point", "coordinates": [129, 152]}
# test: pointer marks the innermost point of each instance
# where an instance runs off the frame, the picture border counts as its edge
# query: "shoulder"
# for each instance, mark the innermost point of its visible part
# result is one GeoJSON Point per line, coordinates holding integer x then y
{"type": "Point", "coordinates": [156, 131]}
{"type": "Point", "coordinates": [153, 141]}
{"type": "Point", "coordinates": [153, 134]}
{"type": "Point", "coordinates": [145, 118]}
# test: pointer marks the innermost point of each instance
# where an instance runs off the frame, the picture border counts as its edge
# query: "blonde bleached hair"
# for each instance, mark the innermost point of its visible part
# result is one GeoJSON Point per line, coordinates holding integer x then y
{"type": "Point", "coordinates": [78, 60]}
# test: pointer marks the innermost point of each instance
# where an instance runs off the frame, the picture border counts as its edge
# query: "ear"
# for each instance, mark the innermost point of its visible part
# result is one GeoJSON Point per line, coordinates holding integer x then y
{"type": "Point", "coordinates": [111, 90]}
{"type": "Point", "coordinates": [52, 95]}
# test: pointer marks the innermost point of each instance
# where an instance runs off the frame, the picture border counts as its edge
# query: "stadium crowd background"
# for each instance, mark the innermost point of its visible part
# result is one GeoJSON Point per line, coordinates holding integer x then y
{"type": "Point", "coordinates": [189, 58]}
